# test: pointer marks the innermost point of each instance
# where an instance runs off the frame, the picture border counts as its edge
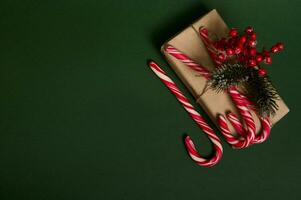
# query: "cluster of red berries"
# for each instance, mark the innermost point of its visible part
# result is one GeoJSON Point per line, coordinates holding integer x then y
{"type": "Point", "coordinates": [244, 48]}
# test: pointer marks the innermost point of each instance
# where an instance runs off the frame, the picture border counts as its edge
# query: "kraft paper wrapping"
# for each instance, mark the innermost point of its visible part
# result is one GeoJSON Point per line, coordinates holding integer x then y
{"type": "Point", "coordinates": [190, 43]}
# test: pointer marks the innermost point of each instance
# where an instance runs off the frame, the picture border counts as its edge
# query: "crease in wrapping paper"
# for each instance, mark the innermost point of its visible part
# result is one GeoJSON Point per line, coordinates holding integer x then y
{"type": "Point", "coordinates": [189, 42]}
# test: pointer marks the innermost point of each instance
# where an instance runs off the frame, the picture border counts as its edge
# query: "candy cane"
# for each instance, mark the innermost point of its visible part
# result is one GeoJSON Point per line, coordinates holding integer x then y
{"type": "Point", "coordinates": [236, 124]}
{"type": "Point", "coordinates": [186, 60]}
{"type": "Point", "coordinates": [209, 45]}
{"type": "Point", "coordinates": [196, 117]}
{"type": "Point", "coordinates": [246, 115]}
{"type": "Point", "coordinates": [232, 140]}
{"type": "Point", "coordinates": [240, 143]}
{"type": "Point", "coordinates": [265, 124]}
{"type": "Point", "coordinates": [259, 138]}
{"type": "Point", "coordinates": [265, 131]}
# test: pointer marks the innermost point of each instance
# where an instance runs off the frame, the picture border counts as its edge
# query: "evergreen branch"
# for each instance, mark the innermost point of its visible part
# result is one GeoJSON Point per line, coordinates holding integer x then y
{"type": "Point", "coordinates": [228, 75]}
{"type": "Point", "coordinates": [261, 91]}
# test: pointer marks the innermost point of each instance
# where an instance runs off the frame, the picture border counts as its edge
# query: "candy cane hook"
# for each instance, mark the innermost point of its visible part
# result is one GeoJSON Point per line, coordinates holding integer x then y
{"type": "Point", "coordinates": [196, 117]}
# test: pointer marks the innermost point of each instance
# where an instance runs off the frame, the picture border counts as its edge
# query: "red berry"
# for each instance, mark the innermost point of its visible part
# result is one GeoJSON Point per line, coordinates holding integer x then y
{"type": "Point", "coordinates": [274, 49]}
{"type": "Point", "coordinates": [268, 60]}
{"type": "Point", "coordinates": [252, 63]}
{"type": "Point", "coordinates": [221, 57]}
{"type": "Point", "coordinates": [280, 46]}
{"type": "Point", "coordinates": [249, 30]}
{"type": "Point", "coordinates": [252, 51]}
{"type": "Point", "coordinates": [259, 58]}
{"type": "Point", "coordinates": [232, 41]}
{"type": "Point", "coordinates": [244, 52]}
{"type": "Point", "coordinates": [253, 36]}
{"type": "Point", "coordinates": [242, 39]}
{"type": "Point", "coordinates": [229, 52]}
{"type": "Point", "coordinates": [221, 44]}
{"type": "Point", "coordinates": [237, 50]}
{"type": "Point", "coordinates": [243, 59]}
{"type": "Point", "coordinates": [252, 43]}
{"type": "Point", "coordinates": [223, 41]}
{"type": "Point", "coordinates": [262, 72]}
{"type": "Point", "coordinates": [265, 53]}
{"type": "Point", "coordinates": [233, 32]}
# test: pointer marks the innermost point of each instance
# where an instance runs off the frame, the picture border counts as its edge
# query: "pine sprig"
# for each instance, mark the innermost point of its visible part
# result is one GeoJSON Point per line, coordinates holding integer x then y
{"type": "Point", "coordinates": [259, 89]}
{"type": "Point", "coordinates": [228, 75]}
{"type": "Point", "coordinates": [263, 94]}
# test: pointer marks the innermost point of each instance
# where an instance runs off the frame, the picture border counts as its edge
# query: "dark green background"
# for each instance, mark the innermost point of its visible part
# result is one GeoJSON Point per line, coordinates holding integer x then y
{"type": "Point", "coordinates": [83, 117]}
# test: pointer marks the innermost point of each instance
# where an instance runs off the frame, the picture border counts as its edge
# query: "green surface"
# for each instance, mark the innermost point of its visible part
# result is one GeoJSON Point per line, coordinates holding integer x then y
{"type": "Point", "coordinates": [82, 116]}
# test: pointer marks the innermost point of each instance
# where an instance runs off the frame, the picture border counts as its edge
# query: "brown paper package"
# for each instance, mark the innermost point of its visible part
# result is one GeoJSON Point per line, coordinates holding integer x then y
{"type": "Point", "coordinates": [190, 43]}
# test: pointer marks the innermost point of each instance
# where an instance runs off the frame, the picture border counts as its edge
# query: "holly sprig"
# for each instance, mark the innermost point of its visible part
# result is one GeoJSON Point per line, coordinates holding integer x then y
{"type": "Point", "coordinates": [241, 66]}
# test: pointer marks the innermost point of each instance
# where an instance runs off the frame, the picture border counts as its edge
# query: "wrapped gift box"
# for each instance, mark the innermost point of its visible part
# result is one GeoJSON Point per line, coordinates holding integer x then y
{"type": "Point", "coordinates": [189, 42]}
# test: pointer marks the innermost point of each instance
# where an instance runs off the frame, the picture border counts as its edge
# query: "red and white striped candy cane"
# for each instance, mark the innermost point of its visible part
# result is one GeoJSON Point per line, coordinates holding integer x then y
{"type": "Point", "coordinates": [239, 143]}
{"type": "Point", "coordinates": [209, 45]}
{"type": "Point", "coordinates": [265, 131]}
{"type": "Point", "coordinates": [196, 117]}
{"type": "Point", "coordinates": [246, 115]}
{"type": "Point", "coordinates": [259, 138]}
{"type": "Point", "coordinates": [231, 139]}
{"type": "Point", "coordinates": [247, 135]}
{"type": "Point", "coordinates": [187, 61]}
{"type": "Point", "coordinates": [236, 124]}
{"type": "Point", "coordinates": [265, 124]}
